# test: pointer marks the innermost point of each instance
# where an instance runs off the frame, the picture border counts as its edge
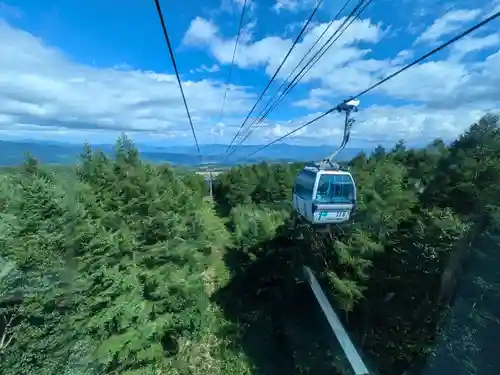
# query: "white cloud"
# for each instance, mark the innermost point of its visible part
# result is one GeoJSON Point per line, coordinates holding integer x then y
{"type": "Point", "coordinates": [452, 94]}
{"type": "Point", "coordinates": [292, 28]}
{"type": "Point", "coordinates": [403, 56]}
{"type": "Point", "coordinates": [295, 6]}
{"type": "Point", "coordinates": [289, 5]}
{"type": "Point", "coordinates": [427, 82]}
{"type": "Point", "coordinates": [495, 8]}
{"type": "Point", "coordinates": [41, 88]}
{"type": "Point", "coordinates": [415, 124]}
{"type": "Point", "coordinates": [218, 129]}
{"type": "Point", "coordinates": [44, 93]}
{"type": "Point", "coordinates": [473, 44]}
{"type": "Point", "coordinates": [448, 24]}
{"type": "Point", "coordinates": [314, 101]}
{"type": "Point", "coordinates": [200, 31]}
{"type": "Point", "coordinates": [342, 52]}
{"type": "Point", "coordinates": [268, 52]}
{"type": "Point", "coordinates": [449, 84]}
{"type": "Point", "coordinates": [445, 83]}
{"type": "Point", "coordinates": [203, 68]}
{"type": "Point", "coordinates": [233, 6]}
{"type": "Point", "coordinates": [204, 33]}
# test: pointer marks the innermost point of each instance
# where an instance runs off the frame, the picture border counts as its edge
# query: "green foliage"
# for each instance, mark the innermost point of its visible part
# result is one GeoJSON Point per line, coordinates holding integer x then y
{"type": "Point", "coordinates": [121, 267]}
{"type": "Point", "coordinates": [253, 228]}
{"type": "Point", "coordinates": [119, 271]}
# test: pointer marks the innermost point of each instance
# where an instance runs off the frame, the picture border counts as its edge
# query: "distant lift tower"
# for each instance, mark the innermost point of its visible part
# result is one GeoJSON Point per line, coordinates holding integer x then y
{"type": "Point", "coordinates": [210, 183]}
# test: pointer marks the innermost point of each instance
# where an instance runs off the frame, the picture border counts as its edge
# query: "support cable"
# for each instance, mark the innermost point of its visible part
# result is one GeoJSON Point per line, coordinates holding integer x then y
{"type": "Point", "coordinates": [372, 87]}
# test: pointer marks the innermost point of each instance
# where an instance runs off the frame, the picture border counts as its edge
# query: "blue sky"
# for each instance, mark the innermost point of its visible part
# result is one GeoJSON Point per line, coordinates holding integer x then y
{"type": "Point", "coordinates": [88, 70]}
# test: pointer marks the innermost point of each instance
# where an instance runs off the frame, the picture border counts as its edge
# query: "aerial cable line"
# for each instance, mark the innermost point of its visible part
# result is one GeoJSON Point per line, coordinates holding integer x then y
{"type": "Point", "coordinates": [328, 44]}
{"type": "Point", "coordinates": [307, 68]}
{"type": "Point", "coordinates": [170, 50]}
{"type": "Point", "coordinates": [406, 67]}
{"type": "Point", "coordinates": [420, 59]}
{"type": "Point", "coordinates": [313, 61]}
{"type": "Point", "coordinates": [304, 57]}
{"type": "Point", "coordinates": [232, 61]}
{"type": "Point", "coordinates": [277, 71]}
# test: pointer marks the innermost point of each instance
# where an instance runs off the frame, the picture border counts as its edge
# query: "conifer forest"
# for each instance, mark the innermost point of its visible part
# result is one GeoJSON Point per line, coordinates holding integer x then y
{"type": "Point", "coordinates": [119, 266]}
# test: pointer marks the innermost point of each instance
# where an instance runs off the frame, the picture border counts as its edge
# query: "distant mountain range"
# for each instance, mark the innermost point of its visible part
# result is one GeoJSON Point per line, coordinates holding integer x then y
{"type": "Point", "coordinates": [13, 153]}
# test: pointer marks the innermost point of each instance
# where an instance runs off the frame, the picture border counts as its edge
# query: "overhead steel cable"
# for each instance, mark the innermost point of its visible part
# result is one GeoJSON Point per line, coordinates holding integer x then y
{"type": "Point", "coordinates": [170, 50]}
{"type": "Point", "coordinates": [232, 60]}
{"type": "Point", "coordinates": [406, 67]}
{"type": "Point", "coordinates": [306, 69]}
{"type": "Point", "coordinates": [287, 80]}
{"type": "Point", "coordinates": [314, 59]}
{"type": "Point", "coordinates": [306, 54]}
{"type": "Point", "coordinates": [276, 73]}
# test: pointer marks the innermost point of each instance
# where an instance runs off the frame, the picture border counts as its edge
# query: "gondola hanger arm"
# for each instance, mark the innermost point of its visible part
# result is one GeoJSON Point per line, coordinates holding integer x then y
{"type": "Point", "coordinates": [347, 107]}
